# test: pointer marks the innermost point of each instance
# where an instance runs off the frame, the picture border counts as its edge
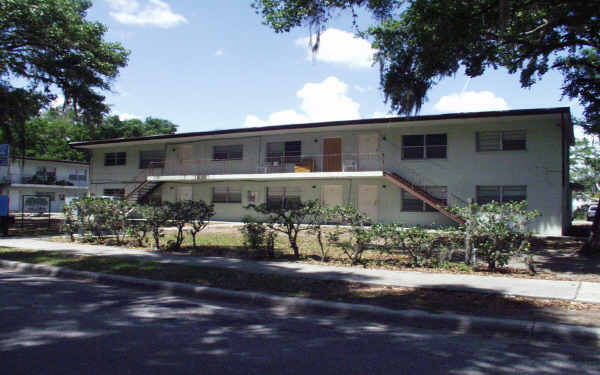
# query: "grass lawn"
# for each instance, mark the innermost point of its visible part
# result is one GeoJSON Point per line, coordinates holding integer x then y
{"type": "Point", "coordinates": [555, 258]}
{"type": "Point", "coordinates": [391, 297]}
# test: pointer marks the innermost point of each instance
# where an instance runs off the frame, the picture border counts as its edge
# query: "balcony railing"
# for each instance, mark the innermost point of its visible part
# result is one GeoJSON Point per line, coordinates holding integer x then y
{"type": "Point", "coordinates": [43, 179]}
{"type": "Point", "coordinates": [305, 163]}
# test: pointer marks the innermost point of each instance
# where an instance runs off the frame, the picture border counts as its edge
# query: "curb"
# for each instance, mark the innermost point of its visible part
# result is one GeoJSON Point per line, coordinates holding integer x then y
{"type": "Point", "coordinates": [456, 323]}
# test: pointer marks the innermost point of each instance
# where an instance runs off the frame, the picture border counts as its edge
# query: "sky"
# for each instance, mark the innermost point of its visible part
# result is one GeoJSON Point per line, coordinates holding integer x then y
{"type": "Point", "coordinates": [212, 64]}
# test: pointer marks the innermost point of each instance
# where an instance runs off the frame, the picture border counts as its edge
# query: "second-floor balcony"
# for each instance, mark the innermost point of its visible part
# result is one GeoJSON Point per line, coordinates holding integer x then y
{"type": "Point", "coordinates": [281, 164]}
{"type": "Point", "coordinates": [50, 179]}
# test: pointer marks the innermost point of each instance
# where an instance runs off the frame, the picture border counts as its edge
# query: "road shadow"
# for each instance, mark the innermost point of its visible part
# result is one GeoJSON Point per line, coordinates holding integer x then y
{"type": "Point", "coordinates": [59, 326]}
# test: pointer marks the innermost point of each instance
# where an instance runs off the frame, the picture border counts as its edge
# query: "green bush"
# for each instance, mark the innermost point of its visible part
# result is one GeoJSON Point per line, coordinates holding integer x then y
{"type": "Point", "coordinates": [256, 235]}
{"type": "Point", "coordinates": [498, 230]}
{"type": "Point", "coordinates": [356, 236]}
{"type": "Point", "coordinates": [287, 220]}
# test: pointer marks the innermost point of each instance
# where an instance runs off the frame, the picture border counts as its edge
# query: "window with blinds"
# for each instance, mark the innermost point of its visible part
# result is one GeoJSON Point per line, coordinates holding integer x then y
{"type": "Point", "coordinates": [227, 194]}
{"type": "Point", "coordinates": [152, 158]}
{"type": "Point", "coordinates": [410, 203]}
{"type": "Point", "coordinates": [509, 193]}
{"type": "Point", "coordinates": [284, 152]}
{"type": "Point", "coordinates": [283, 197]}
{"type": "Point", "coordinates": [430, 146]}
{"type": "Point", "coordinates": [501, 140]}
{"type": "Point", "coordinates": [229, 152]}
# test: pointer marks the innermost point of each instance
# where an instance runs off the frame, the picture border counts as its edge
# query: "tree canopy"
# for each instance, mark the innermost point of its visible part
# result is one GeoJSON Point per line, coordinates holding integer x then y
{"type": "Point", "coordinates": [47, 46]}
{"type": "Point", "coordinates": [47, 135]}
{"type": "Point", "coordinates": [420, 42]}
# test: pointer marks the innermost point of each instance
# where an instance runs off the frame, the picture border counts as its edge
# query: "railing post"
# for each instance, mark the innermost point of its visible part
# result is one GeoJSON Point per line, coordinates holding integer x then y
{"type": "Point", "coordinates": [382, 161]}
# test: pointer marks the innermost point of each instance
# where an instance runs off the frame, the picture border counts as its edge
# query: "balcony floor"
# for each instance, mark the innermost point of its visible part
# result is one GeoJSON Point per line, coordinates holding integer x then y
{"type": "Point", "coordinates": [265, 176]}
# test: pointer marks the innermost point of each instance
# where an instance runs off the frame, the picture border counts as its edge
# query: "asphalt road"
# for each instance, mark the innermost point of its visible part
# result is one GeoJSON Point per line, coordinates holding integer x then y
{"type": "Point", "coordinates": [55, 326]}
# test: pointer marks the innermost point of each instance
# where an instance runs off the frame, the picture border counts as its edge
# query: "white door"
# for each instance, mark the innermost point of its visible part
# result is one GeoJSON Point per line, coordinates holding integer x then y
{"type": "Point", "coordinates": [367, 200]}
{"type": "Point", "coordinates": [184, 193]}
{"type": "Point", "coordinates": [333, 195]}
{"type": "Point", "coordinates": [368, 157]}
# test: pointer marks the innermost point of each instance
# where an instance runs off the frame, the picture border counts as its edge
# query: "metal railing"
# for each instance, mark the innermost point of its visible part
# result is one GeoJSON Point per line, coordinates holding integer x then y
{"type": "Point", "coordinates": [42, 179]}
{"type": "Point", "coordinates": [343, 162]}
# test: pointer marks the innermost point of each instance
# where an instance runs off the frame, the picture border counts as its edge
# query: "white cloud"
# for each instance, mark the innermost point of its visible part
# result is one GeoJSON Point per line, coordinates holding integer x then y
{"type": "Point", "coordinates": [60, 100]}
{"type": "Point", "coordinates": [127, 116]}
{"type": "Point", "coordinates": [324, 101]}
{"type": "Point", "coordinates": [153, 13]}
{"type": "Point", "coordinates": [338, 46]}
{"type": "Point", "coordinates": [471, 101]}
{"type": "Point", "coordinates": [219, 52]}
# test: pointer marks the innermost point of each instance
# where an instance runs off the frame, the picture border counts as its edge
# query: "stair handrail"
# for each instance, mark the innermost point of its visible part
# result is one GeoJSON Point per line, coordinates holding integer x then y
{"type": "Point", "coordinates": [419, 180]}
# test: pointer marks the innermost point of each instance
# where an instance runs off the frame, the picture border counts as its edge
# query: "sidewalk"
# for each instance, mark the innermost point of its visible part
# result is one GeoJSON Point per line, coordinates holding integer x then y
{"type": "Point", "coordinates": [565, 290]}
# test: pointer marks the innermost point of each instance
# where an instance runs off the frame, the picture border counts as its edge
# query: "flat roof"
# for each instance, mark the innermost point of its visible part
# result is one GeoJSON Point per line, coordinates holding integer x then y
{"type": "Point", "coordinates": [462, 115]}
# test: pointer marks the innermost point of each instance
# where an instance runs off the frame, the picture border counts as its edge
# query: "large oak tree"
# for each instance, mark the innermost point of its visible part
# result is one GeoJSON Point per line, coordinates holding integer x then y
{"type": "Point", "coordinates": [420, 42]}
{"type": "Point", "coordinates": [48, 46]}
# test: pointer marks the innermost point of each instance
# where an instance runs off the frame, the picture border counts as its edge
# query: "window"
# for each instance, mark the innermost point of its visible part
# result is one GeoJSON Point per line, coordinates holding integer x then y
{"type": "Point", "coordinates": [230, 152]}
{"type": "Point", "coordinates": [284, 152]}
{"type": "Point", "coordinates": [487, 194]}
{"type": "Point", "coordinates": [283, 197]}
{"type": "Point", "coordinates": [117, 193]}
{"type": "Point", "coordinates": [115, 158]}
{"type": "Point", "coordinates": [411, 203]}
{"type": "Point", "coordinates": [501, 140]}
{"type": "Point", "coordinates": [430, 146]}
{"type": "Point", "coordinates": [152, 159]}
{"type": "Point", "coordinates": [226, 194]}
{"type": "Point", "coordinates": [52, 195]}
{"type": "Point", "coordinates": [78, 175]}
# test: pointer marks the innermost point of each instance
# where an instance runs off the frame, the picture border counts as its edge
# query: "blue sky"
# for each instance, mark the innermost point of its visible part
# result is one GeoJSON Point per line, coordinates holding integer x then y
{"type": "Point", "coordinates": [212, 65]}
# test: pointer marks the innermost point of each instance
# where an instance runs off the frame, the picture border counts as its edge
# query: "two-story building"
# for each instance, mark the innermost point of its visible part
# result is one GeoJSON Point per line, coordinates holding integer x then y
{"type": "Point", "coordinates": [401, 169]}
{"type": "Point", "coordinates": [60, 180]}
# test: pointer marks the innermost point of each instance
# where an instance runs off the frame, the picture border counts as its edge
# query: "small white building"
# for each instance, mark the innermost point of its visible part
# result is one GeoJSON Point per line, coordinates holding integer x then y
{"type": "Point", "coordinates": [401, 169]}
{"type": "Point", "coordinates": [60, 180]}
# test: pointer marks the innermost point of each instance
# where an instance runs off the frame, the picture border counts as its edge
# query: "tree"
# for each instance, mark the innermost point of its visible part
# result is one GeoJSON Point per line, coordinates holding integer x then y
{"type": "Point", "coordinates": [288, 220]}
{"type": "Point", "coordinates": [47, 135]}
{"type": "Point", "coordinates": [200, 217]}
{"type": "Point", "coordinates": [585, 167]}
{"type": "Point", "coordinates": [420, 42]}
{"type": "Point", "coordinates": [48, 44]}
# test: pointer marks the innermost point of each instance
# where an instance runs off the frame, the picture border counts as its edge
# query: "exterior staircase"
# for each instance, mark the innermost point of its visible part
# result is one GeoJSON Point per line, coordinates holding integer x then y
{"type": "Point", "coordinates": [142, 191]}
{"type": "Point", "coordinates": [422, 195]}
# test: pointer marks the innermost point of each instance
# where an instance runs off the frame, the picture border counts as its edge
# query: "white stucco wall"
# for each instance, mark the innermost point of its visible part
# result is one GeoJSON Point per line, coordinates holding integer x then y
{"type": "Point", "coordinates": [538, 167]}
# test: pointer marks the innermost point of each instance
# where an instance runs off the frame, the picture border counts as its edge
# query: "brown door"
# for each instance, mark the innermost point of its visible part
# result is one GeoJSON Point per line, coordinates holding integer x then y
{"type": "Point", "coordinates": [332, 154]}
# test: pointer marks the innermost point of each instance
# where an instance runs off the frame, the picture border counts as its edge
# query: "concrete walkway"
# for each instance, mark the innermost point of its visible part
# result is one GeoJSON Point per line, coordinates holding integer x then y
{"type": "Point", "coordinates": [566, 290]}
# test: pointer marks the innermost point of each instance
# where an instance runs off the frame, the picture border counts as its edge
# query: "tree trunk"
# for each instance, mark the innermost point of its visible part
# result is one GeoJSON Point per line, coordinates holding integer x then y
{"type": "Point", "coordinates": [592, 245]}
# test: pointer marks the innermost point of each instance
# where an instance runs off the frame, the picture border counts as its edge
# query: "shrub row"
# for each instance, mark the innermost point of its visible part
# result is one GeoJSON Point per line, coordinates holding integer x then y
{"type": "Point", "coordinates": [494, 232]}
{"type": "Point", "coordinates": [98, 218]}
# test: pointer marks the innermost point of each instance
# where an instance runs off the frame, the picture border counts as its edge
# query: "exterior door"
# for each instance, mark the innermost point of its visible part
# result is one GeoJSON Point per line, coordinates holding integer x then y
{"type": "Point", "coordinates": [184, 193]}
{"type": "Point", "coordinates": [332, 154]}
{"type": "Point", "coordinates": [367, 200]}
{"type": "Point", "coordinates": [333, 195]}
{"type": "Point", "coordinates": [185, 163]}
{"type": "Point", "coordinates": [368, 158]}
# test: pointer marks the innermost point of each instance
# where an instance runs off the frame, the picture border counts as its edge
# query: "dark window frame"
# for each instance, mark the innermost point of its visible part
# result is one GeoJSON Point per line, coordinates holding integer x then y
{"type": "Point", "coordinates": [425, 146]}
{"type": "Point", "coordinates": [501, 193]}
{"type": "Point", "coordinates": [409, 201]}
{"type": "Point", "coordinates": [228, 154]}
{"type": "Point", "coordinates": [290, 198]}
{"type": "Point", "coordinates": [229, 195]}
{"type": "Point", "coordinates": [292, 152]}
{"type": "Point", "coordinates": [114, 192]}
{"type": "Point", "coordinates": [157, 162]}
{"type": "Point", "coordinates": [112, 159]}
{"type": "Point", "coordinates": [503, 144]}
